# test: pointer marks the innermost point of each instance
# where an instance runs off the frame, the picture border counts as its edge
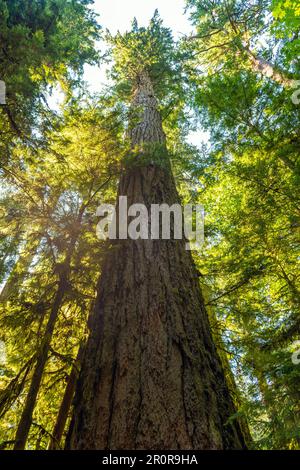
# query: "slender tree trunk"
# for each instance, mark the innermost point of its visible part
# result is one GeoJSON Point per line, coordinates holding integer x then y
{"type": "Point", "coordinates": [151, 377]}
{"type": "Point", "coordinates": [267, 69]}
{"type": "Point", "coordinates": [65, 406]}
{"type": "Point", "coordinates": [42, 356]}
{"type": "Point", "coordinates": [261, 65]}
{"type": "Point", "coordinates": [14, 389]}
{"type": "Point", "coordinates": [26, 417]}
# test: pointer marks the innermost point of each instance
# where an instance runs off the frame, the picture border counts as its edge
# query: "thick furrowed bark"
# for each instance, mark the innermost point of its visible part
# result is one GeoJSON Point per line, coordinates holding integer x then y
{"type": "Point", "coordinates": [151, 377]}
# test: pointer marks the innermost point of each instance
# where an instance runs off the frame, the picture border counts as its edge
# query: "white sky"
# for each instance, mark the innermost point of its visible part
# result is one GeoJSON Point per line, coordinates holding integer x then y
{"type": "Point", "coordinates": [117, 15]}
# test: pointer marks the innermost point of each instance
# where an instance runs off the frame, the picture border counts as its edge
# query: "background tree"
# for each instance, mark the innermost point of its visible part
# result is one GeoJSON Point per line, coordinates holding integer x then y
{"type": "Point", "coordinates": [80, 166]}
{"type": "Point", "coordinates": [40, 47]}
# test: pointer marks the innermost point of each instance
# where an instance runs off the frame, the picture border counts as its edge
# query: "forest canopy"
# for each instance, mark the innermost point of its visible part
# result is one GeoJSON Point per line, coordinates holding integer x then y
{"type": "Point", "coordinates": [236, 76]}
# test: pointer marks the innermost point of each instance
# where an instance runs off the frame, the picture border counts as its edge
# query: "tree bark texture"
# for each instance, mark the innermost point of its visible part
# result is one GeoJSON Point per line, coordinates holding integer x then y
{"type": "Point", "coordinates": [151, 377]}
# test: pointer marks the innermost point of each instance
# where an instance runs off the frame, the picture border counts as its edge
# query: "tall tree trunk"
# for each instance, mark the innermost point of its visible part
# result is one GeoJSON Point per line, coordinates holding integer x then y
{"type": "Point", "coordinates": [151, 377]}
{"type": "Point", "coordinates": [26, 417]}
{"type": "Point", "coordinates": [65, 406]}
{"type": "Point", "coordinates": [42, 356]}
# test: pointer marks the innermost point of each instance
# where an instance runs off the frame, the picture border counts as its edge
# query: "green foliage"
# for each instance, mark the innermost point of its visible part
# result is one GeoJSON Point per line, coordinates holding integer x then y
{"type": "Point", "coordinates": [149, 155]}
{"type": "Point", "coordinates": [154, 50]}
{"type": "Point", "coordinates": [76, 172]}
{"type": "Point", "coordinates": [57, 168]}
{"type": "Point", "coordinates": [229, 33]}
{"type": "Point", "coordinates": [250, 190]}
{"type": "Point", "coordinates": [150, 48]}
{"type": "Point", "coordinates": [286, 26]}
{"type": "Point", "coordinates": [42, 43]}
